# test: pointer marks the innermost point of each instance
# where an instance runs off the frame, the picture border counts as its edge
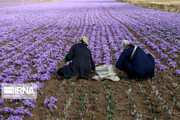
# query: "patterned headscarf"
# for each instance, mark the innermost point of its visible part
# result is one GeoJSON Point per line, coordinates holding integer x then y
{"type": "Point", "coordinates": [84, 39]}
{"type": "Point", "coordinates": [124, 44]}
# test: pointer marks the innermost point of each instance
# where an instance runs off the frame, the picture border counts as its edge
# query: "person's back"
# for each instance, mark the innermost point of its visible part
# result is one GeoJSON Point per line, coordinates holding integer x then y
{"type": "Point", "coordinates": [81, 58]}
{"type": "Point", "coordinates": [81, 61]}
{"type": "Point", "coordinates": [82, 54]}
{"type": "Point", "coordinates": [142, 65]}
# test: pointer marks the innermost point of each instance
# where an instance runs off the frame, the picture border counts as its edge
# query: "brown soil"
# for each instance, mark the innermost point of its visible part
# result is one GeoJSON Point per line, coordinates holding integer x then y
{"type": "Point", "coordinates": [96, 97]}
{"type": "Point", "coordinates": [170, 6]}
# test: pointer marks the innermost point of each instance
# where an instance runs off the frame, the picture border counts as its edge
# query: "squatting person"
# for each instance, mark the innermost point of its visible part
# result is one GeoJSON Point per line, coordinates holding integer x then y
{"type": "Point", "coordinates": [82, 62]}
{"type": "Point", "coordinates": [135, 62]}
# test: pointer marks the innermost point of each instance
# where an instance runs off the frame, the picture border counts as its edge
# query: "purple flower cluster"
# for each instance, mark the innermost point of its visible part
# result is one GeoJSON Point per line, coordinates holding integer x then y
{"type": "Point", "coordinates": [29, 103]}
{"type": "Point", "coordinates": [1, 101]}
{"type": "Point", "coordinates": [50, 103]}
{"type": "Point", "coordinates": [12, 117]}
{"type": "Point", "coordinates": [18, 111]}
{"type": "Point", "coordinates": [22, 111]}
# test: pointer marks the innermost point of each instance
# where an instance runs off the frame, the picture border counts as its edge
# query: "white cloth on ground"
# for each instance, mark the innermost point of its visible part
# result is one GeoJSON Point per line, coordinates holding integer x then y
{"type": "Point", "coordinates": [106, 72]}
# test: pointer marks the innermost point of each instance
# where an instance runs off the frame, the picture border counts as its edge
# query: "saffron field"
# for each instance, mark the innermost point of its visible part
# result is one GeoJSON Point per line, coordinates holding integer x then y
{"type": "Point", "coordinates": [35, 36]}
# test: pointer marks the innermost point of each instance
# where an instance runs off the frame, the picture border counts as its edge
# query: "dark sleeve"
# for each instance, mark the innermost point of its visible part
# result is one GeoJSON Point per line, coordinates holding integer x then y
{"type": "Point", "coordinates": [125, 55]}
{"type": "Point", "coordinates": [92, 62]}
{"type": "Point", "coordinates": [69, 56]}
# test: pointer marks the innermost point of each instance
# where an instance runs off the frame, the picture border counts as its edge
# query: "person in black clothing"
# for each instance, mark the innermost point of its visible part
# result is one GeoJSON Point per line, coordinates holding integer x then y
{"type": "Point", "coordinates": [135, 62]}
{"type": "Point", "coordinates": [82, 62]}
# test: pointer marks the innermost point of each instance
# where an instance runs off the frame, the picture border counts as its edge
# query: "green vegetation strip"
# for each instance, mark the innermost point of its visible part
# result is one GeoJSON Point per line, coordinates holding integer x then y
{"type": "Point", "coordinates": [68, 102]}
{"type": "Point", "coordinates": [82, 106]}
{"type": "Point", "coordinates": [111, 102]}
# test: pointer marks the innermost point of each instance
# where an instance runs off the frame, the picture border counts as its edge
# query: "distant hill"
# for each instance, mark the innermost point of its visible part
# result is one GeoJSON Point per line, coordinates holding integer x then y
{"type": "Point", "coordinates": [164, 5]}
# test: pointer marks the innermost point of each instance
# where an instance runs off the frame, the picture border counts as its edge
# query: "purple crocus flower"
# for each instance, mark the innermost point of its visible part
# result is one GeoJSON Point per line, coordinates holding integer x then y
{"type": "Point", "coordinates": [108, 108]}
{"type": "Point", "coordinates": [1, 117]}
{"type": "Point", "coordinates": [53, 100]}
{"type": "Point", "coordinates": [177, 72]}
{"type": "Point", "coordinates": [1, 101]}
{"type": "Point", "coordinates": [46, 102]}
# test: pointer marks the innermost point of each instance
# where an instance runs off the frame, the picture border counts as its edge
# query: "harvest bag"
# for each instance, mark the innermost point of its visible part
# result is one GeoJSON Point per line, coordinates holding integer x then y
{"type": "Point", "coordinates": [105, 72]}
{"type": "Point", "coordinates": [134, 50]}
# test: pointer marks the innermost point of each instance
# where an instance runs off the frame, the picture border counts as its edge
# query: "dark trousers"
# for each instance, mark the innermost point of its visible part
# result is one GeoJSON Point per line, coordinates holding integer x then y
{"type": "Point", "coordinates": [60, 73]}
